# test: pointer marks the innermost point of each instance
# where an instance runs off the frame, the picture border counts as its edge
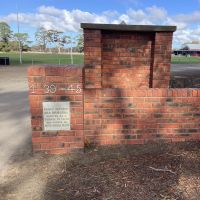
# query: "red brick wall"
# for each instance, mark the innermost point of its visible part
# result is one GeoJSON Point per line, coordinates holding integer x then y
{"type": "Point", "coordinates": [114, 99]}
{"type": "Point", "coordinates": [109, 116]}
{"type": "Point", "coordinates": [120, 59]}
{"type": "Point", "coordinates": [126, 59]}
{"type": "Point", "coordinates": [92, 58]}
{"type": "Point", "coordinates": [129, 116]}
{"type": "Point", "coordinates": [161, 60]}
{"type": "Point", "coordinates": [56, 84]}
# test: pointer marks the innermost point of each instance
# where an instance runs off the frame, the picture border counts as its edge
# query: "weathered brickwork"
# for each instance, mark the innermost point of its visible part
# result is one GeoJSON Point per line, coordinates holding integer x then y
{"type": "Point", "coordinates": [126, 59]}
{"type": "Point", "coordinates": [56, 84]}
{"type": "Point", "coordinates": [120, 96]}
{"type": "Point", "coordinates": [130, 116]}
{"type": "Point", "coordinates": [92, 58]}
{"type": "Point", "coordinates": [160, 69]}
{"type": "Point", "coordinates": [118, 59]}
{"type": "Point", "coordinates": [110, 115]}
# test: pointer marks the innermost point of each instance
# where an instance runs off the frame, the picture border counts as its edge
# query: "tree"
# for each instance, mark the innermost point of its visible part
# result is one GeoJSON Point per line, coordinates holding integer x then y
{"type": "Point", "coordinates": [5, 36]}
{"type": "Point", "coordinates": [65, 39]}
{"type": "Point", "coordinates": [14, 45]}
{"type": "Point", "coordinates": [56, 37]}
{"type": "Point", "coordinates": [22, 38]}
{"type": "Point", "coordinates": [41, 37]}
{"type": "Point", "coordinates": [72, 42]}
{"type": "Point", "coordinates": [61, 41]}
{"type": "Point", "coordinates": [5, 32]}
{"type": "Point", "coordinates": [80, 43]}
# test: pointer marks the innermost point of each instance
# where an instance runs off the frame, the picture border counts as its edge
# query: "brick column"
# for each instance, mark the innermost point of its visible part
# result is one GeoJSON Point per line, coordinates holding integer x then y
{"type": "Point", "coordinates": [56, 84]}
{"type": "Point", "coordinates": [161, 60]}
{"type": "Point", "coordinates": [92, 58]}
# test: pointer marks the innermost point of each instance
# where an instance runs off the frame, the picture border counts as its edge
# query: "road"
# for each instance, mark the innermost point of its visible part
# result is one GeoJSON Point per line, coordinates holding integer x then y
{"type": "Point", "coordinates": [192, 70]}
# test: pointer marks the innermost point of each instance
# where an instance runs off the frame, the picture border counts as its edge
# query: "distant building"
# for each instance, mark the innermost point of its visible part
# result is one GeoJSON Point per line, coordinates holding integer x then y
{"type": "Point", "coordinates": [188, 50]}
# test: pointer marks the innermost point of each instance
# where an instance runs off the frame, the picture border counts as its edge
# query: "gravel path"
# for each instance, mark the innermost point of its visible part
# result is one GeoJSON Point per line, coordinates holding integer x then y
{"type": "Point", "coordinates": [15, 133]}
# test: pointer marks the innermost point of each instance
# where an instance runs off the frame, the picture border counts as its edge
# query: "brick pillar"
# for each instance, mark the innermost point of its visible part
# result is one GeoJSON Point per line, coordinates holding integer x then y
{"type": "Point", "coordinates": [124, 56]}
{"type": "Point", "coordinates": [92, 58]}
{"type": "Point", "coordinates": [56, 84]}
{"type": "Point", "coordinates": [161, 59]}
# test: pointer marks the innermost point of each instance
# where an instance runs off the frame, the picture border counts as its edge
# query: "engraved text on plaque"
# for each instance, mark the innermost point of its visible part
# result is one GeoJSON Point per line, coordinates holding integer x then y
{"type": "Point", "coordinates": [56, 116]}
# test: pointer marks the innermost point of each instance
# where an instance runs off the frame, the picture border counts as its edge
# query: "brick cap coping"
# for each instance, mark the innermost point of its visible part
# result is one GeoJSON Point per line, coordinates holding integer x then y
{"type": "Point", "coordinates": [124, 27]}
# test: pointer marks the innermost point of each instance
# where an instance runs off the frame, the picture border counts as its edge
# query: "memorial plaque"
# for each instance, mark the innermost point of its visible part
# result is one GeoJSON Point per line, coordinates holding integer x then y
{"type": "Point", "coordinates": [56, 116]}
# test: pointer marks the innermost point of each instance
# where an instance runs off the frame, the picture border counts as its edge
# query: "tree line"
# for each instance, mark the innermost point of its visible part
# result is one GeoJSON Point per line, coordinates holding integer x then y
{"type": "Point", "coordinates": [45, 40]}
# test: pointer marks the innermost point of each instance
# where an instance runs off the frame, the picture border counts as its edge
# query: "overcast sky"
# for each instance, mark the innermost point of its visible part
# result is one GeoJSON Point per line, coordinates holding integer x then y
{"type": "Point", "coordinates": [66, 15]}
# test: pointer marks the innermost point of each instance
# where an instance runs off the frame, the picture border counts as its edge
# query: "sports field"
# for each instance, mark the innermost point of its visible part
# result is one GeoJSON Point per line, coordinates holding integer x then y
{"type": "Point", "coordinates": [185, 60]}
{"type": "Point", "coordinates": [48, 58]}
{"type": "Point", "coordinates": [41, 58]}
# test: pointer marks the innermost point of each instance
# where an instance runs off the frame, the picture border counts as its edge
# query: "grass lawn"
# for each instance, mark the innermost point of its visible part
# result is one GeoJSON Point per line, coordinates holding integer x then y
{"type": "Point", "coordinates": [185, 60]}
{"type": "Point", "coordinates": [40, 58]}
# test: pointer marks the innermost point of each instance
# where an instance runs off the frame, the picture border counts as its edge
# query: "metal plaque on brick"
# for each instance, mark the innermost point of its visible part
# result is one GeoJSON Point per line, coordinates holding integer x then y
{"type": "Point", "coordinates": [56, 116]}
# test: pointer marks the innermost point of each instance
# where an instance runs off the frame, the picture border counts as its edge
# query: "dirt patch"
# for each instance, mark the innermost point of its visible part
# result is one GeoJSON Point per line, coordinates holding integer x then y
{"type": "Point", "coordinates": [153, 171]}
